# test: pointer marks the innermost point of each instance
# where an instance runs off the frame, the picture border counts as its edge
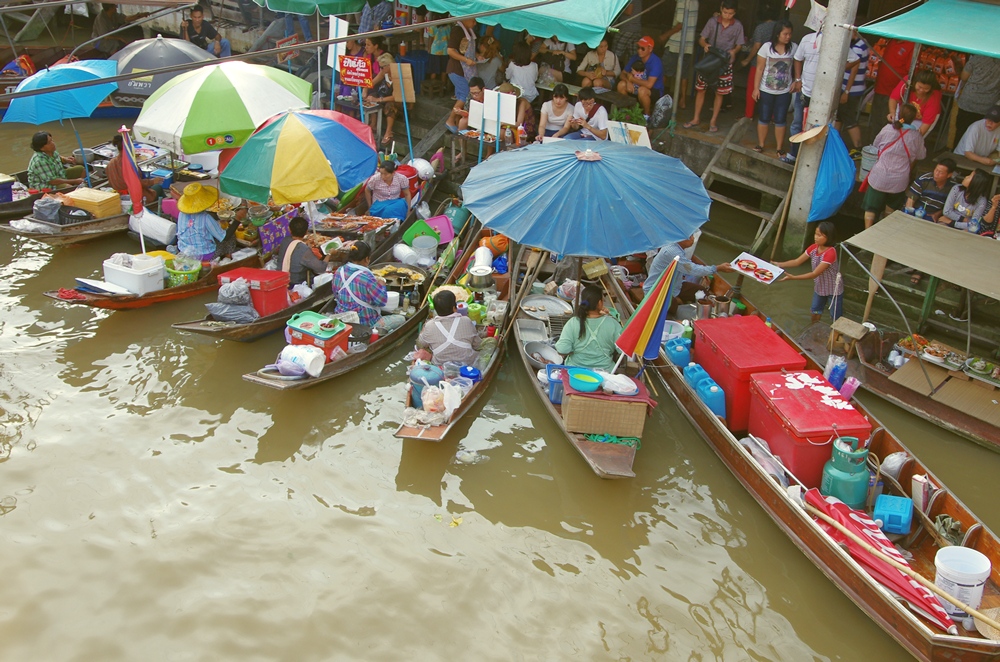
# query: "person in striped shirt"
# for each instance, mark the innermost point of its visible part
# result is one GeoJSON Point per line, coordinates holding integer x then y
{"type": "Point", "coordinates": [854, 91]}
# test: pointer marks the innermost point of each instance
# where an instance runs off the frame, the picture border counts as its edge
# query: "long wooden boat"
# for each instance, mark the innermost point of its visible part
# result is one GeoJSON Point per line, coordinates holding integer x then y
{"type": "Point", "coordinates": [439, 432]}
{"type": "Point", "coordinates": [382, 346]}
{"type": "Point", "coordinates": [606, 460]}
{"type": "Point", "coordinates": [74, 233]}
{"type": "Point", "coordinates": [207, 283]}
{"type": "Point", "coordinates": [920, 638]}
{"type": "Point", "coordinates": [251, 331]}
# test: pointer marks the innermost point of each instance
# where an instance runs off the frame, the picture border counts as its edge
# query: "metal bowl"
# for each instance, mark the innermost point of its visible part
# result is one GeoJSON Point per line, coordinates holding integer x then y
{"type": "Point", "coordinates": [544, 349]}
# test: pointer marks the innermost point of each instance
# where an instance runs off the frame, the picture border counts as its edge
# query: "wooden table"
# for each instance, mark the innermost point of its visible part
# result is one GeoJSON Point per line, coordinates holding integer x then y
{"type": "Point", "coordinates": [355, 107]}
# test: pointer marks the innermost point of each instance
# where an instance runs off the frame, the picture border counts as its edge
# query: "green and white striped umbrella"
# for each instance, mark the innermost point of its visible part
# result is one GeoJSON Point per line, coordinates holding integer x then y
{"type": "Point", "coordinates": [218, 106]}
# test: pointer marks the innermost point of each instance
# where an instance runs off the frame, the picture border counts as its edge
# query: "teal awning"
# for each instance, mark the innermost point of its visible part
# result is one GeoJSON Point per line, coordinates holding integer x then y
{"type": "Point", "coordinates": [574, 21]}
{"type": "Point", "coordinates": [956, 25]}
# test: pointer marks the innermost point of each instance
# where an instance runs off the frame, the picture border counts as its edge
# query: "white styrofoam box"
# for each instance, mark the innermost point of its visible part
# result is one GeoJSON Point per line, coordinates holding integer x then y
{"type": "Point", "coordinates": [155, 227]}
{"type": "Point", "coordinates": [207, 160]}
{"type": "Point", "coordinates": [137, 281]}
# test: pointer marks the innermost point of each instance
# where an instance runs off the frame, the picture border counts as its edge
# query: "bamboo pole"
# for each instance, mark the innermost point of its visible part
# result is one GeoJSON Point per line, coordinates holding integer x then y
{"type": "Point", "coordinates": [930, 586]}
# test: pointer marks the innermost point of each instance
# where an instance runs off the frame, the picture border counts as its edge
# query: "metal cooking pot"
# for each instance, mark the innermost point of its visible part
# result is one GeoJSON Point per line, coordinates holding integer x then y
{"type": "Point", "coordinates": [543, 349]}
{"type": "Point", "coordinates": [480, 278]}
{"type": "Point", "coordinates": [90, 154]}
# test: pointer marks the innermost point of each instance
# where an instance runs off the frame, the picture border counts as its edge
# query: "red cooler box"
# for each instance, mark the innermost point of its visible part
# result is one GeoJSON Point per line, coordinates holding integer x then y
{"type": "Point", "coordinates": [798, 414]}
{"type": "Point", "coordinates": [268, 289]}
{"type": "Point", "coordinates": [730, 349]}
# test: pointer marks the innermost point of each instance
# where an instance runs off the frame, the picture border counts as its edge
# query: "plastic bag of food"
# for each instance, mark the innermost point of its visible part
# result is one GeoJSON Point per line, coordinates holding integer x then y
{"type": "Point", "coordinates": [433, 399]}
{"type": "Point", "coordinates": [227, 312]}
{"type": "Point", "coordinates": [236, 292]}
{"type": "Point", "coordinates": [452, 398]}
{"type": "Point", "coordinates": [184, 262]}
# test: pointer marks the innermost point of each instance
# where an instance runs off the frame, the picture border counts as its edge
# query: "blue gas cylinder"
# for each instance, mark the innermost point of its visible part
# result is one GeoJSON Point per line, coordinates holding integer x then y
{"type": "Point", "coordinates": [845, 475]}
{"type": "Point", "coordinates": [678, 351]}
{"type": "Point", "coordinates": [693, 374]}
{"type": "Point", "coordinates": [713, 396]}
{"type": "Point", "coordinates": [423, 374]}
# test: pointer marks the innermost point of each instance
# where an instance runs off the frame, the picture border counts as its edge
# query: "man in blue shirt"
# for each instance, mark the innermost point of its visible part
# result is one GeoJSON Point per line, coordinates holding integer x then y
{"type": "Point", "coordinates": [687, 275]}
{"type": "Point", "coordinates": [647, 90]}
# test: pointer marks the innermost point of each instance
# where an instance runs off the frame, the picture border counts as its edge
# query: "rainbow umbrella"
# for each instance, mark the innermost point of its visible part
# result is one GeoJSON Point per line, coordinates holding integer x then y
{"type": "Point", "coordinates": [300, 156]}
{"type": "Point", "coordinates": [642, 333]}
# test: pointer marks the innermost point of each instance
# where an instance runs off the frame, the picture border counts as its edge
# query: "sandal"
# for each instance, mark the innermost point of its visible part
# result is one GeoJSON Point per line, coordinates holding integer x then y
{"type": "Point", "coordinates": [781, 153]}
{"type": "Point", "coordinates": [690, 125]}
{"type": "Point", "coordinates": [713, 129]}
{"type": "Point", "coordinates": [387, 138]}
{"type": "Point", "coordinates": [759, 149]}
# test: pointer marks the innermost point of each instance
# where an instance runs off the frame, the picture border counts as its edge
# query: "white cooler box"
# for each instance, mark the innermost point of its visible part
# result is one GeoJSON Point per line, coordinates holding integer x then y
{"type": "Point", "coordinates": [138, 281]}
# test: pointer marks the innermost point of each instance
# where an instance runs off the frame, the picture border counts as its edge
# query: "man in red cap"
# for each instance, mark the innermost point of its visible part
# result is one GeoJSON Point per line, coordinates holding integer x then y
{"type": "Point", "coordinates": [643, 82]}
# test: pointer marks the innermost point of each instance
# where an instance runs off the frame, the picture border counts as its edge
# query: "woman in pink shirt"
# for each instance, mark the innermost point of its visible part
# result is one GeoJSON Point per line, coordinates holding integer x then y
{"type": "Point", "coordinates": [899, 144]}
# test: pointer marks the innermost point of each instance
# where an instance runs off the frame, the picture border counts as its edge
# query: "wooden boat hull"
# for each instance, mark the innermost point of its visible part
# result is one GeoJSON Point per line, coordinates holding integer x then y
{"type": "Point", "coordinates": [207, 283]}
{"type": "Point", "coordinates": [378, 349]}
{"type": "Point", "coordinates": [960, 422]}
{"type": "Point", "coordinates": [259, 327]}
{"type": "Point", "coordinates": [76, 233]}
{"type": "Point", "coordinates": [920, 639]}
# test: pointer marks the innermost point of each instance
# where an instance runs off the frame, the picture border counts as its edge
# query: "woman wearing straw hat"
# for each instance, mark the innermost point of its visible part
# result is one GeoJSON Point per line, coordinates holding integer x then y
{"type": "Point", "coordinates": [198, 233]}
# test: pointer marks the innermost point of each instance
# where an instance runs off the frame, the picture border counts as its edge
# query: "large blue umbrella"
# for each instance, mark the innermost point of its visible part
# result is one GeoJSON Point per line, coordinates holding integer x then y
{"type": "Point", "coordinates": [67, 104]}
{"type": "Point", "coordinates": [631, 199]}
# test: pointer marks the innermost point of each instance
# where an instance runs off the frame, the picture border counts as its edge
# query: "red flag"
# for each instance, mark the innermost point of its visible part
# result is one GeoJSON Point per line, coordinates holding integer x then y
{"type": "Point", "coordinates": [130, 172]}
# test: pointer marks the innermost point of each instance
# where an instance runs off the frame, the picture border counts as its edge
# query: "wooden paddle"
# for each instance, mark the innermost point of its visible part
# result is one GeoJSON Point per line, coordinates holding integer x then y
{"type": "Point", "coordinates": [930, 586]}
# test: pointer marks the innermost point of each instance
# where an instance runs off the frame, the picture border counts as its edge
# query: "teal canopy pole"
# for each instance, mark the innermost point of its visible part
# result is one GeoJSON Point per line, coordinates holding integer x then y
{"type": "Point", "coordinates": [361, 106]}
{"type": "Point", "coordinates": [406, 116]}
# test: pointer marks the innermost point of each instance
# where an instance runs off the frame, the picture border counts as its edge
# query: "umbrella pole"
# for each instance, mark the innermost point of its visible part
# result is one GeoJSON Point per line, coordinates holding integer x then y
{"type": "Point", "coordinates": [361, 106]}
{"type": "Point", "coordinates": [930, 586]}
{"type": "Point", "coordinates": [83, 154]}
{"type": "Point", "coordinates": [319, 65]}
{"type": "Point", "coordinates": [406, 115]}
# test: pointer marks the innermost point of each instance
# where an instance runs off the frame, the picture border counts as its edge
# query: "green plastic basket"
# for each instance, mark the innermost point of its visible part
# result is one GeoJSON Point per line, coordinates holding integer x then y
{"type": "Point", "coordinates": [175, 278]}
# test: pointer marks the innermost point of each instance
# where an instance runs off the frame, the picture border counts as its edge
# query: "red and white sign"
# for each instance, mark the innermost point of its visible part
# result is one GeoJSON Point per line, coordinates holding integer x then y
{"type": "Point", "coordinates": [287, 41]}
{"type": "Point", "coordinates": [355, 71]}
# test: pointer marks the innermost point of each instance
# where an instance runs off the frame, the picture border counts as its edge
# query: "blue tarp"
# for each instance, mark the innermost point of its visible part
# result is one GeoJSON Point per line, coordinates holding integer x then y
{"type": "Point", "coordinates": [632, 200]}
{"type": "Point", "coordinates": [574, 21]}
{"type": "Point", "coordinates": [956, 25]}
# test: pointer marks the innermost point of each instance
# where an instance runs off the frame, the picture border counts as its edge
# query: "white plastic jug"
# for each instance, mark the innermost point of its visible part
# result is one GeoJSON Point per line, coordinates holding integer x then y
{"type": "Point", "coordinates": [392, 302]}
{"type": "Point", "coordinates": [309, 357]}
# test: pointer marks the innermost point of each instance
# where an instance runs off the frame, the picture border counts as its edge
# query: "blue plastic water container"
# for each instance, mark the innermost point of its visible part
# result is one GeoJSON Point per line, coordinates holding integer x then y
{"type": "Point", "coordinates": [693, 374]}
{"type": "Point", "coordinates": [555, 383]}
{"type": "Point", "coordinates": [713, 396]}
{"type": "Point", "coordinates": [678, 351]}
{"type": "Point", "coordinates": [895, 512]}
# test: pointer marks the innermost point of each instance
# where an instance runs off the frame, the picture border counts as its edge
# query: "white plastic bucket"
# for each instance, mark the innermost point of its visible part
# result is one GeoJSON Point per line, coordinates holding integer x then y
{"type": "Point", "coordinates": [672, 330]}
{"type": "Point", "coordinates": [869, 154]}
{"type": "Point", "coordinates": [425, 247]}
{"type": "Point", "coordinates": [392, 303]}
{"type": "Point", "coordinates": [405, 254]}
{"type": "Point", "coordinates": [309, 357]}
{"type": "Point", "coordinates": [961, 573]}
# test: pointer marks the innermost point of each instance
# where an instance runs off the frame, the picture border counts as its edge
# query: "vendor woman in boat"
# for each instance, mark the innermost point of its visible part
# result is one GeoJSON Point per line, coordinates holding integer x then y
{"type": "Point", "coordinates": [198, 233]}
{"type": "Point", "coordinates": [358, 289]}
{"type": "Point", "coordinates": [588, 338]}
{"type": "Point", "coordinates": [152, 187]}
{"type": "Point", "coordinates": [383, 191]}
{"type": "Point", "coordinates": [450, 336]}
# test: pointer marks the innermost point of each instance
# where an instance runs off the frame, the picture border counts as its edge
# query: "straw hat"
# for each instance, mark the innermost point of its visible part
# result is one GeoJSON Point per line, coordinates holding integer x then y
{"type": "Point", "coordinates": [810, 136]}
{"type": "Point", "coordinates": [197, 198]}
{"type": "Point", "coordinates": [986, 630]}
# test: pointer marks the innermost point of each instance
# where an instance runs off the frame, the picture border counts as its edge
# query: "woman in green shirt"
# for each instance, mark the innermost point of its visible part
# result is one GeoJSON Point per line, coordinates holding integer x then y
{"type": "Point", "coordinates": [588, 339]}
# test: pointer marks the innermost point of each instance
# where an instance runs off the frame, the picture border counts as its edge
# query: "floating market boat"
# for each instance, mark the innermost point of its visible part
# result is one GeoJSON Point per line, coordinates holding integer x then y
{"type": "Point", "coordinates": [74, 233]}
{"type": "Point", "coordinates": [848, 565]}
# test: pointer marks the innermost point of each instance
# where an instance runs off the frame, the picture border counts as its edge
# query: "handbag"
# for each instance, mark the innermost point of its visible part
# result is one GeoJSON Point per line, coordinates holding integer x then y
{"type": "Point", "coordinates": [714, 60]}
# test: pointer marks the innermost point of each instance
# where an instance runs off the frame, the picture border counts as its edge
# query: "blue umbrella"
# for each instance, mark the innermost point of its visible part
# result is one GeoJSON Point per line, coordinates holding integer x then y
{"type": "Point", "coordinates": [631, 199]}
{"type": "Point", "coordinates": [67, 104]}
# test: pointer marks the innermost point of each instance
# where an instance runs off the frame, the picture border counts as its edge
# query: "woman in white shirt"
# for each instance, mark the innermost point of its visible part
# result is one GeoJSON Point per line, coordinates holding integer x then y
{"type": "Point", "coordinates": [522, 72]}
{"type": "Point", "coordinates": [558, 55]}
{"type": "Point", "coordinates": [773, 84]}
{"type": "Point", "coordinates": [555, 113]}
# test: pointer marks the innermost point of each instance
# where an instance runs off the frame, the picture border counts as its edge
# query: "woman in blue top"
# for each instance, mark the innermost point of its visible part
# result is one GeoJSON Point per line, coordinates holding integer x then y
{"type": "Point", "coordinates": [198, 233]}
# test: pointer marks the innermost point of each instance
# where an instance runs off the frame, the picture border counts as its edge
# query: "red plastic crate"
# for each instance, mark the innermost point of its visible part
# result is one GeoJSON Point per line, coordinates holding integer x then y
{"type": "Point", "coordinates": [327, 345]}
{"type": "Point", "coordinates": [799, 414]}
{"type": "Point", "coordinates": [730, 349]}
{"type": "Point", "coordinates": [268, 289]}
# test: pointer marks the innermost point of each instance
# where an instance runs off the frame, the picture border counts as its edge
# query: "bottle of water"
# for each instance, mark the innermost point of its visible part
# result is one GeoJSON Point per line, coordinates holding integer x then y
{"type": "Point", "coordinates": [973, 226]}
{"type": "Point", "coordinates": [508, 137]}
{"type": "Point", "coordinates": [920, 212]}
